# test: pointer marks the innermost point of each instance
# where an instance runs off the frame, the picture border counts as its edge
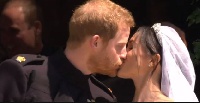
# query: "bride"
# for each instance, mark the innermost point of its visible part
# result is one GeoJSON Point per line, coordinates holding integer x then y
{"type": "Point", "coordinates": [159, 64]}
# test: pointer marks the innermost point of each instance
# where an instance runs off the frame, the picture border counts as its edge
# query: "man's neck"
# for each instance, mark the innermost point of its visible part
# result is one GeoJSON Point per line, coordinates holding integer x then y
{"type": "Point", "coordinates": [78, 58]}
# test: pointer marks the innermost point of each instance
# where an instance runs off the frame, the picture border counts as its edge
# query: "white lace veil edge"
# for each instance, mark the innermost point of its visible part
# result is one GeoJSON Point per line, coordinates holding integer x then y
{"type": "Point", "coordinates": [178, 76]}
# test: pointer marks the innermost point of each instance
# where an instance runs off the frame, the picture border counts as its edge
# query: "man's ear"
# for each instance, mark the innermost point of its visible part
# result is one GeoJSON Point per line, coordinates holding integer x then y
{"type": "Point", "coordinates": [38, 28]}
{"type": "Point", "coordinates": [95, 41]}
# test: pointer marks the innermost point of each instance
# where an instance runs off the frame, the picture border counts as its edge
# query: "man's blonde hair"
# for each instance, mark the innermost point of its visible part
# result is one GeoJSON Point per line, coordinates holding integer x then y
{"type": "Point", "coordinates": [97, 17]}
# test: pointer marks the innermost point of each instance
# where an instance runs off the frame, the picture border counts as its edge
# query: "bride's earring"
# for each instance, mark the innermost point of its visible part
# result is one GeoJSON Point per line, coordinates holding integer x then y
{"type": "Point", "coordinates": [150, 65]}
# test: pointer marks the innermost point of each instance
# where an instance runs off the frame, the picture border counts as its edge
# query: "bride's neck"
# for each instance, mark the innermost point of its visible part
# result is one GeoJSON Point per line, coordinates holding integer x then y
{"type": "Point", "coordinates": [147, 92]}
{"type": "Point", "coordinates": [147, 86]}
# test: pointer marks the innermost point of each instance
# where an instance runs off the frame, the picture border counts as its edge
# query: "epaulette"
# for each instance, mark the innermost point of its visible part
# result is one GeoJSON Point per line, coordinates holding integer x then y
{"type": "Point", "coordinates": [29, 59]}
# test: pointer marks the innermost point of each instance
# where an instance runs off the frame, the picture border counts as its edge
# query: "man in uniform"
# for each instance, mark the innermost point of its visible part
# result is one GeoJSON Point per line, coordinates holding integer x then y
{"type": "Point", "coordinates": [21, 29]}
{"type": "Point", "coordinates": [99, 31]}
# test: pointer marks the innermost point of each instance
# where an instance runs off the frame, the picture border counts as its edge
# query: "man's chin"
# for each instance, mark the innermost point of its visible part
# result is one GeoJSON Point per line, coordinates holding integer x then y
{"type": "Point", "coordinates": [109, 73]}
{"type": "Point", "coordinates": [113, 74]}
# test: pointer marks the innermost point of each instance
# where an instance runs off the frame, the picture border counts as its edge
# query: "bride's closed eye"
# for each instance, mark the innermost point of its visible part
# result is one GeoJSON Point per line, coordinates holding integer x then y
{"type": "Point", "coordinates": [130, 46]}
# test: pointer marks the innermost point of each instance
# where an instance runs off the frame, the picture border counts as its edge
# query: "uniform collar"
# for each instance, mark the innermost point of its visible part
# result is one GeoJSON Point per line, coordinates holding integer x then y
{"type": "Point", "coordinates": [99, 91]}
{"type": "Point", "coordinates": [69, 73]}
{"type": "Point", "coordinates": [79, 82]}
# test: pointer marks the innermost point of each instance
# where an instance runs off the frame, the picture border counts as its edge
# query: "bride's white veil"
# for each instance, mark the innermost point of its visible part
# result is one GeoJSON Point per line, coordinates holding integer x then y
{"type": "Point", "coordinates": [178, 75]}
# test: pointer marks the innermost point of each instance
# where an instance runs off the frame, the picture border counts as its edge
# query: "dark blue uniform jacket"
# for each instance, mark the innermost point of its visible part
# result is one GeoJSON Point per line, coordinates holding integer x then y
{"type": "Point", "coordinates": [34, 78]}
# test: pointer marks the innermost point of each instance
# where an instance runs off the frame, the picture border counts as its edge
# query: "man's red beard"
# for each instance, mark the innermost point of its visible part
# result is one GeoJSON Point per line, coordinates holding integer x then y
{"type": "Point", "coordinates": [103, 64]}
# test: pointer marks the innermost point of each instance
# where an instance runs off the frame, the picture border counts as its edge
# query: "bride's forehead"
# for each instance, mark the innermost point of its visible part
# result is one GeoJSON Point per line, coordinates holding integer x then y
{"type": "Point", "coordinates": [136, 37]}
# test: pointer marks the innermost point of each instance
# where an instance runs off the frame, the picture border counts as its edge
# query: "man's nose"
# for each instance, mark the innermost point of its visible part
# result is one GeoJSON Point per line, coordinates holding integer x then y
{"type": "Point", "coordinates": [123, 53]}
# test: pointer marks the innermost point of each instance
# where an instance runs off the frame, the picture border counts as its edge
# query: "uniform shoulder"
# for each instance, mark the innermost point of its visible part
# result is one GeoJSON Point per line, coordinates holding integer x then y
{"type": "Point", "coordinates": [29, 59]}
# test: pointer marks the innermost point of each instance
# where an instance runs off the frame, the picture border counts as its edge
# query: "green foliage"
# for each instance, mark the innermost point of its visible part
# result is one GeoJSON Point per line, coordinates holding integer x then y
{"type": "Point", "coordinates": [194, 1]}
{"type": "Point", "coordinates": [194, 17]}
{"type": "Point", "coordinates": [196, 53]}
